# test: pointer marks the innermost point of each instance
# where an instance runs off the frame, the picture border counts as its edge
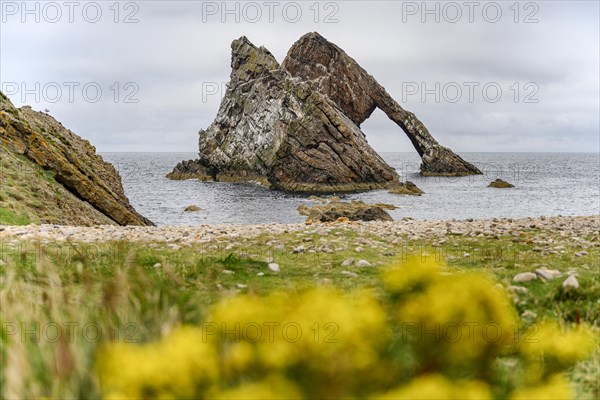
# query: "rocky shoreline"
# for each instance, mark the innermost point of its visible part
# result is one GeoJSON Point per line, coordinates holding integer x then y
{"type": "Point", "coordinates": [578, 231]}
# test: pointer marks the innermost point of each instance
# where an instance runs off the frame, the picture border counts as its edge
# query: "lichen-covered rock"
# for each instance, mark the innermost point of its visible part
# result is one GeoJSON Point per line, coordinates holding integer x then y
{"type": "Point", "coordinates": [353, 211]}
{"type": "Point", "coordinates": [335, 74]}
{"type": "Point", "coordinates": [296, 127]}
{"type": "Point", "coordinates": [90, 185]}
{"type": "Point", "coordinates": [407, 188]}
{"type": "Point", "coordinates": [500, 184]}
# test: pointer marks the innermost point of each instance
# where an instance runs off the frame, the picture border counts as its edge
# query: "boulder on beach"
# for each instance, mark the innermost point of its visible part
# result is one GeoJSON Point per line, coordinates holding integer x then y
{"type": "Point", "coordinates": [500, 184]}
{"type": "Point", "coordinates": [51, 175]}
{"type": "Point", "coordinates": [352, 211]}
{"type": "Point", "coordinates": [296, 126]}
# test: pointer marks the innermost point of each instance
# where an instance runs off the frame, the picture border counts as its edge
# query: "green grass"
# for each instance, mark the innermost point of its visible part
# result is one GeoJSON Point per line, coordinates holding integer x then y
{"type": "Point", "coordinates": [31, 194]}
{"type": "Point", "coordinates": [10, 217]}
{"type": "Point", "coordinates": [117, 287]}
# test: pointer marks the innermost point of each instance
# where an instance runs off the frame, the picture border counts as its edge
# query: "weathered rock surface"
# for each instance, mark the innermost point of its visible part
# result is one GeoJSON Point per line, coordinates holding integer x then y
{"type": "Point", "coordinates": [68, 183]}
{"type": "Point", "coordinates": [408, 188]}
{"type": "Point", "coordinates": [353, 211]}
{"type": "Point", "coordinates": [284, 128]}
{"type": "Point", "coordinates": [500, 184]}
{"type": "Point", "coordinates": [335, 74]}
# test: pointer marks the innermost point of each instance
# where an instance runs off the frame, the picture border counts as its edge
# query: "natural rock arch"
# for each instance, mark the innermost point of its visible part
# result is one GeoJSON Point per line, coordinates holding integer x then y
{"type": "Point", "coordinates": [295, 126]}
{"type": "Point", "coordinates": [336, 75]}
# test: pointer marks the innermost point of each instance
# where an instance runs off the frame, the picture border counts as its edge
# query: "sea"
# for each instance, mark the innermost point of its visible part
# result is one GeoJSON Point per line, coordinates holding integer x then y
{"type": "Point", "coordinates": [546, 184]}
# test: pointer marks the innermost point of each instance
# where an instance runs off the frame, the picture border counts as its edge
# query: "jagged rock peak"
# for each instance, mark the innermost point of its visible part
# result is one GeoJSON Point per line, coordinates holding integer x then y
{"type": "Point", "coordinates": [250, 62]}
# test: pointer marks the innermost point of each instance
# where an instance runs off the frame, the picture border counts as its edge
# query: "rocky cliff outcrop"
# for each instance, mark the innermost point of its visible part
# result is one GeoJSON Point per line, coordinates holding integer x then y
{"type": "Point", "coordinates": [291, 127]}
{"type": "Point", "coordinates": [333, 73]}
{"type": "Point", "coordinates": [51, 175]}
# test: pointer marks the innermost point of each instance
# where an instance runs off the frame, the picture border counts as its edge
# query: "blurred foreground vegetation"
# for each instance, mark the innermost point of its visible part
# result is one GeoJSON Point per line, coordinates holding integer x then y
{"type": "Point", "coordinates": [145, 320]}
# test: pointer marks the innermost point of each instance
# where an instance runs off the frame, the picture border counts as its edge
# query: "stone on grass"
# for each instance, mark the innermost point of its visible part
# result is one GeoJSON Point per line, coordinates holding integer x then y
{"type": "Point", "coordinates": [347, 262]}
{"type": "Point", "coordinates": [525, 277]}
{"type": "Point", "coordinates": [363, 263]}
{"type": "Point", "coordinates": [571, 283]}
{"type": "Point", "coordinates": [547, 274]}
{"type": "Point", "coordinates": [274, 267]}
{"type": "Point", "coordinates": [517, 289]}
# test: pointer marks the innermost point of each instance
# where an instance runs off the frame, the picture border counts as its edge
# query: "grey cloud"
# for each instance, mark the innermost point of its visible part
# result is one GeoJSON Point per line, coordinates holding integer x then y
{"type": "Point", "coordinates": [171, 55]}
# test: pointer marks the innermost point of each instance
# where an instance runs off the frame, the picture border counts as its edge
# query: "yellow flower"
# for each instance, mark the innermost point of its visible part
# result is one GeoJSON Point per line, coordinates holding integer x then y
{"type": "Point", "coordinates": [556, 388]}
{"type": "Point", "coordinates": [457, 319]}
{"type": "Point", "coordinates": [273, 387]}
{"type": "Point", "coordinates": [437, 387]}
{"type": "Point", "coordinates": [175, 366]}
{"type": "Point", "coordinates": [413, 275]}
{"type": "Point", "coordinates": [551, 349]}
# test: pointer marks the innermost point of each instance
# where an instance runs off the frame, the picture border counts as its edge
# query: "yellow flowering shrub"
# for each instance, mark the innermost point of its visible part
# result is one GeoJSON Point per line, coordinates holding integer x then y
{"type": "Point", "coordinates": [439, 387]}
{"type": "Point", "coordinates": [552, 349]}
{"type": "Point", "coordinates": [428, 334]}
{"type": "Point", "coordinates": [459, 321]}
{"type": "Point", "coordinates": [178, 366]}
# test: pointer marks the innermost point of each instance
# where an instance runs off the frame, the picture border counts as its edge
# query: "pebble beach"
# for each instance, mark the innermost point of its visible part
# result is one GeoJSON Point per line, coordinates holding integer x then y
{"type": "Point", "coordinates": [580, 231]}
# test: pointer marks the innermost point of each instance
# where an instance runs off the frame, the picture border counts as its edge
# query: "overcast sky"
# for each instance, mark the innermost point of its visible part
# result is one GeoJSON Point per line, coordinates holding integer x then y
{"type": "Point", "coordinates": [507, 77]}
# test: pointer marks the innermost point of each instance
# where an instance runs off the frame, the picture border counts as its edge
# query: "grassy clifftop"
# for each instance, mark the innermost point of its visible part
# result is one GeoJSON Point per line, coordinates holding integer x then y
{"type": "Point", "coordinates": [48, 174]}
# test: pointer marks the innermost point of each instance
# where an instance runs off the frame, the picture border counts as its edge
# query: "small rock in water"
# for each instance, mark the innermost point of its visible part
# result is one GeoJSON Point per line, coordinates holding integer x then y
{"type": "Point", "coordinates": [157, 265]}
{"type": "Point", "coordinates": [274, 267]}
{"type": "Point", "coordinates": [525, 277]}
{"type": "Point", "coordinates": [192, 208]}
{"type": "Point", "coordinates": [228, 272]}
{"type": "Point", "coordinates": [348, 273]}
{"type": "Point", "coordinates": [571, 283]}
{"type": "Point", "coordinates": [348, 262]}
{"type": "Point", "coordinates": [501, 184]}
{"type": "Point", "coordinates": [363, 263]}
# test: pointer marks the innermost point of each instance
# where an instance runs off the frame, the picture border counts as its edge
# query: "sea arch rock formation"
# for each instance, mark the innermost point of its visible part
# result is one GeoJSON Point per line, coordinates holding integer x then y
{"type": "Point", "coordinates": [295, 126]}
{"type": "Point", "coordinates": [335, 74]}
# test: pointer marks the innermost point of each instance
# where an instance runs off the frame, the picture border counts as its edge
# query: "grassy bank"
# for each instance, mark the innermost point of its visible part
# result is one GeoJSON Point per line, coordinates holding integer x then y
{"type": "Point", "coordinates": [61, 301]}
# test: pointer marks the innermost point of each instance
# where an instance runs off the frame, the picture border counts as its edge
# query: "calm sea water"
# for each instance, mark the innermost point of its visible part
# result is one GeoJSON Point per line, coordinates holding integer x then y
{"type": "Point", "coordinates": [545, 184]}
